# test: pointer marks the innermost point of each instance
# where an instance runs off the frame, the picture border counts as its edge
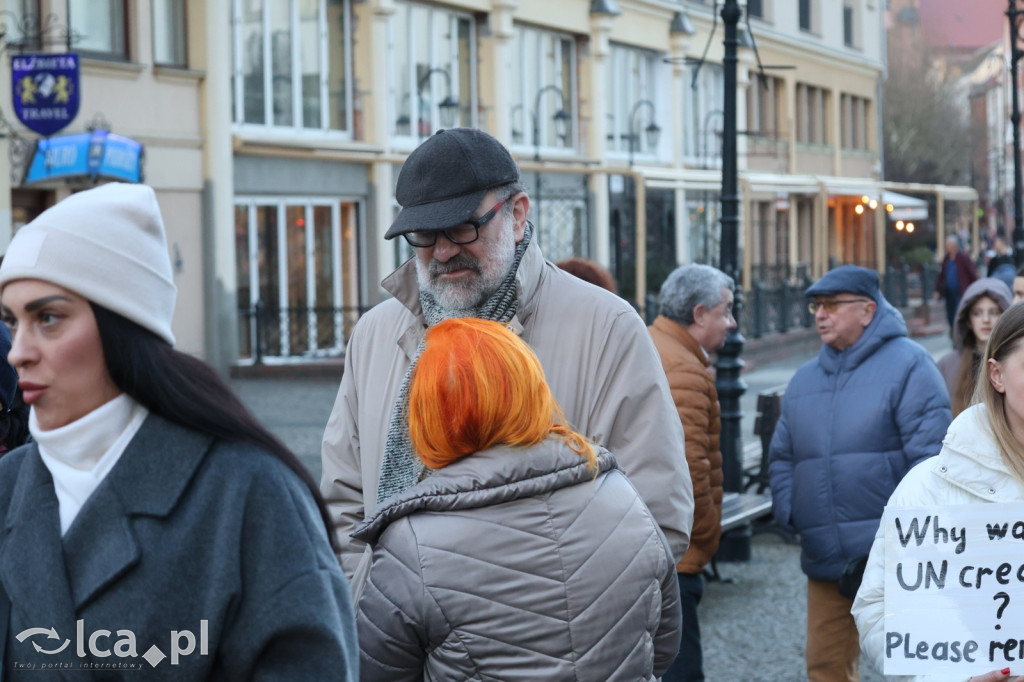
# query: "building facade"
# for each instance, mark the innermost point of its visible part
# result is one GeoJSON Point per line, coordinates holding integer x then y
{"type": "Point", "coordinates": [275, 136]}
{"type": "Point", "coordinates": [136, 81]}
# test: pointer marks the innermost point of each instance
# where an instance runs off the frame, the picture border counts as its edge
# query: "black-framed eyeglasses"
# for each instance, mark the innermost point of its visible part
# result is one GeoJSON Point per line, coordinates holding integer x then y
{"type": "Point", "coordinates": [463, 233]}
{"type": "Point", "coordinates": [833, 305]}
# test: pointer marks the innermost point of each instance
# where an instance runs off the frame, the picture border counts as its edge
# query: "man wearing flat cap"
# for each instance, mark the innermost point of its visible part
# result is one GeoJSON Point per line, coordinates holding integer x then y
{"type": "Point", "coordinates": [475, 255]}
{"type": "Point", "coordinates": [854, 420]}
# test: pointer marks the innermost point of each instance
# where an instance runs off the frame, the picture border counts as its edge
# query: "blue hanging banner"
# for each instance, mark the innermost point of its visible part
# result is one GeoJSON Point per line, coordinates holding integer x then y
{"type": "Point", "coordinates": [46, 90]}
{"type": "Point", "coordinates": [95, 155]}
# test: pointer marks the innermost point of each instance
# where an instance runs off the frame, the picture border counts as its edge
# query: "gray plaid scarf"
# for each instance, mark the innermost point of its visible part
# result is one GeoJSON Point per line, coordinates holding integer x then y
{"type": "Point", "coordinates": [400, 468]}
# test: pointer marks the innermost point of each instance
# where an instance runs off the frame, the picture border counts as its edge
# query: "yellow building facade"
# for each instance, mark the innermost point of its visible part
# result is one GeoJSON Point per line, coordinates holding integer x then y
{"type": "Point", "coordinates": [275, 132]}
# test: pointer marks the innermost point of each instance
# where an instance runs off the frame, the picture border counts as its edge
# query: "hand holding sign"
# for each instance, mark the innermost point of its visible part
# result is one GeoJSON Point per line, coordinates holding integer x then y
{"type": "Point", "coordinates": [994, 676]}
{"type": "Point", "coordinates": [949, 588]}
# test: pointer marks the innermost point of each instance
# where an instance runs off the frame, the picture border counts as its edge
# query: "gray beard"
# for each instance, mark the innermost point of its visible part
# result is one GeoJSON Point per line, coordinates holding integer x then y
{"type": "Point", "coordinates": [460, 299]}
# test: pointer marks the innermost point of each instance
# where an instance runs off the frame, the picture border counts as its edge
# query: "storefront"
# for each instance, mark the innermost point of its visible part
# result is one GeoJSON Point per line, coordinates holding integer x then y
{"type": "Point", "coordinates": [297, 248]}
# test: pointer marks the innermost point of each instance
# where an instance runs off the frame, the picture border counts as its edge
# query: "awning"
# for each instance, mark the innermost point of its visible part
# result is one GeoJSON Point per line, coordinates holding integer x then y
{"type": "Point", "coordinates": [780, 183]}
{"type": "Point", "coordinates": [682, 178]}
{"type": "Point", "coordinates": [850, 186]}
{"type": "Point", "coordinates": [905, 207]}
{"type": "Point", "coordinates": [93, 155]}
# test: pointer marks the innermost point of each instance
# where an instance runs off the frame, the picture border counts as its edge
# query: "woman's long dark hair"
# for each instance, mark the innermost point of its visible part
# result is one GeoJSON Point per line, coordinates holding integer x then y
{"type": "Point", "coordinates": [188, 392]}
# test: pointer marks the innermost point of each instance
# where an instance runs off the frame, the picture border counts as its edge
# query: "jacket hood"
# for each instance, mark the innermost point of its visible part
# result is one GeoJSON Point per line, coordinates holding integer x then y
{"type": "Point", "coordinates": [971, 459]}
{"type": "Point", "coordinates": [887, 324]}
{"type": "Point", "coordinates": [995, 289]}
{"type": "Point", "coordinates": [493, 476]}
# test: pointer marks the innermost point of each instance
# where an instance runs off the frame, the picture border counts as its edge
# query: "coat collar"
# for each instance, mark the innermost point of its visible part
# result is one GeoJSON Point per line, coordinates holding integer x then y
{"type": "Point", "coordinates": [497, 475]}
{"type": "Point", "coordinates": [679, 333]}
{"type": "Point", "coordinates": [404, 286]}
{"type": "Point", "coordinates": [970, 459]}
{"type": "Point", "coordinates": [100, 546]}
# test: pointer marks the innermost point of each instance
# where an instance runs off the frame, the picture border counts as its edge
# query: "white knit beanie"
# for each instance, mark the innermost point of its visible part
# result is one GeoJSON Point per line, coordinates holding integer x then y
{"type": "Point", "coordinates": [107, 245]}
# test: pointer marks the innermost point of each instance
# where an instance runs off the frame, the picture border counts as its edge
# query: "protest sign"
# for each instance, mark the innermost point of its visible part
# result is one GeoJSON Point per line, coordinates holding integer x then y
{"type": "Point", "coordinates": [954, 589]}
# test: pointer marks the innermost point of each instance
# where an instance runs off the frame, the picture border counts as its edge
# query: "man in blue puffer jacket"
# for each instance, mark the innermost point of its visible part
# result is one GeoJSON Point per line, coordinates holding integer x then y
{"type": "Point", "coordinates": [854, 420]}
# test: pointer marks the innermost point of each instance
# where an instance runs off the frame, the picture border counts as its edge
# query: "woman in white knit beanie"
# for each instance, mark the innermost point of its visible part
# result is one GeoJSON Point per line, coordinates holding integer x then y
{"type": "Point", "coordinates": [153, 517]}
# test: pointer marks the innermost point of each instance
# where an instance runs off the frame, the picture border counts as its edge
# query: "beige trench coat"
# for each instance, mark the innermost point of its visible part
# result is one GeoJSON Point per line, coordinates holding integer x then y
{"type": "Point", "coordinates": [598, 359]}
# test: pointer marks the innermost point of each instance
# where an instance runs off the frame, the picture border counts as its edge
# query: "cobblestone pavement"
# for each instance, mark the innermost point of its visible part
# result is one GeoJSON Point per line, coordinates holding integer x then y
{"type": "Point", "coordinates": [753, 628]}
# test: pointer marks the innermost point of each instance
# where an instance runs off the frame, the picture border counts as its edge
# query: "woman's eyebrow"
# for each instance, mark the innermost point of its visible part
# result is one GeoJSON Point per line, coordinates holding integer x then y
{"type": "Point", "coordinates": [32, 306]}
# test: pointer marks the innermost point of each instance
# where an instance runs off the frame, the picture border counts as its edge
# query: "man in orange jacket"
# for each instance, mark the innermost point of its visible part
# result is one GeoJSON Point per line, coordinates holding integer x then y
{"type": "Point", "coordinates": [696, 314]}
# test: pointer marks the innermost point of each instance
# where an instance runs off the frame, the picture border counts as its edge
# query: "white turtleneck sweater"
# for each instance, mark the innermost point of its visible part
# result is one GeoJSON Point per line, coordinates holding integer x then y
{"type": "Point", "coordinates": [79, 455]}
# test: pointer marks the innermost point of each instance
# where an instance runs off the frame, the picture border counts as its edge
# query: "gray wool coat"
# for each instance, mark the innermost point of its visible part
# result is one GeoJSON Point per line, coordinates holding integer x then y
{"type": "Point", "coordinates": [517, 564]}
{"type": "Point", "coordinates": [184, 530]}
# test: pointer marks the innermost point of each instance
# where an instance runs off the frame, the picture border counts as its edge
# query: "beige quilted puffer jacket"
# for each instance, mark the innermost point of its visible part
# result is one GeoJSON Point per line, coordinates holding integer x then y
{"type": "Point", "coordinates": [518, 564]}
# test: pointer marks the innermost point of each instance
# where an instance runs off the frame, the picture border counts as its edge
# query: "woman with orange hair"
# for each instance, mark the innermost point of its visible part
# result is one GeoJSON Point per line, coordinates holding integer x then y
{"type": "Point", "coordinates": [527, 554]}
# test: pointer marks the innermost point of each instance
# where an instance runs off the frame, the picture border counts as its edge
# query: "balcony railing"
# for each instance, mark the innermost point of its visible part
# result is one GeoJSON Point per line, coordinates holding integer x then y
{"type": "Point", "coordinates": [294, 333]}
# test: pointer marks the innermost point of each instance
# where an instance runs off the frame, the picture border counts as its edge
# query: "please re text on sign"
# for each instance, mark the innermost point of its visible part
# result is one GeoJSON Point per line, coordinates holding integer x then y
{"type": "Point", "coordinates": [954, 589]}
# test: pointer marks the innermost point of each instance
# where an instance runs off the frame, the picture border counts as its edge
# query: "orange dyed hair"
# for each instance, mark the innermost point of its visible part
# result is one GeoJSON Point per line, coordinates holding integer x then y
{"type": "Point", "coordinates": [476, 385]}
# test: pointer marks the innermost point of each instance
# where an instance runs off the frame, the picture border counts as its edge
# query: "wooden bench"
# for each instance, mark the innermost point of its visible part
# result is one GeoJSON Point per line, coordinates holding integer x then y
{"type": "Point", "coordinates": [741, 510]}
{"type": "Point", "coordinates": [738, 511]}
{"type": "Point", "coordinates": [769, 409]}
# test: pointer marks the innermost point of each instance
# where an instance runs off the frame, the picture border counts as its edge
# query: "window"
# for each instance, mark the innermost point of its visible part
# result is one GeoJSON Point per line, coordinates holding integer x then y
{"type": "Point", "coordinates": [98, 27]}
{"type": "Point", "coordinates": [811, 114]}
{"type": "Point", "coordinates": [21, 14]}
{"type": "Point", "coordinates": [805, 15]}
{"type": "Point", "coordinates": [849, 26]}
{"type": "Point", "coordinates": [632, 103]}
{"type": "Point", "coordinates": [854, 120]}
{"type": "Point", "coordinates": [292, 63]}
{"type": "Point", "coordinates": [542, 81]}
{"type": "Point", "coordinates": [298, 260]}
{"type": "Point", "coordinates": [762, 105]}
{"type": "Point", "coordinates": [704, 226]}
{"type": "Point", "coordinates": [755, 8]}
{"type": "Point", "coordinates": [434, 70]}
{"type": "Point", "coordinates": [703, 115]}
{"type": "Point", "coordinates": [562, 228]}
{"type": "Point", "coordinates": [169, 33]}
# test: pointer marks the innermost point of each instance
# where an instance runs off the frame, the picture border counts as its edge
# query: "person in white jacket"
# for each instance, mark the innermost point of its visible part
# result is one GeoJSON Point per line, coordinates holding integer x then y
{"type": "Point", "coordinates": [981, 461]}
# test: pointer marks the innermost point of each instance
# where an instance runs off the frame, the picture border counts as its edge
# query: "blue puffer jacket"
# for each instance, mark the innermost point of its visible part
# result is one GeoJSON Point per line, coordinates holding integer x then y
{"type": "Point", "coordinates": [853, 423]}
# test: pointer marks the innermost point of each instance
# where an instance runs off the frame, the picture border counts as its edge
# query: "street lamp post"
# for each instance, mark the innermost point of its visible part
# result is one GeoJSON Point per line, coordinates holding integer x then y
{"type": "Point", "coordinates": [562, 118]}
{"type": "Point", "coordinates": [1014, 14]}
{"type": "Point", "coordinates": [735, 546]}
{"type": "Point", "coordinates": [652, 130]}
{"type": "Point", "coordinates": [448, 105]}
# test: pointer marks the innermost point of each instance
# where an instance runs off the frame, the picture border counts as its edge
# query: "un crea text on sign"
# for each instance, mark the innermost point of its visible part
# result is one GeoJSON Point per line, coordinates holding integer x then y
{"type": "Point", "coordinates": [954, 589]}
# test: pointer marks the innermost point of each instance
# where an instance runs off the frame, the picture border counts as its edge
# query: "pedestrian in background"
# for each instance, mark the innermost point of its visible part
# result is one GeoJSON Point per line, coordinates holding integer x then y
{"type": "Point", "coordinates": [1018, 286]}
{"type": "Point", "coordinates": [982, 304]}
{"type": "Point", "coordinates": [695, 306]}
{"type": "Point", "coordinates": [589, 271]}
{"type": "Point", "coordinates": [527, 554]}
{"type": "Point", "coordinates": [955, 275]}
{"type": "Point", "coordinates": [854, 421]}
{"type": "Point", "coordinates": [13, 410]}
{"type": "Point", "coordinates": [1000, 265]}
{"type": "Point", "coordinates": [151, 501]}
{"type": "Point", "coordinates": [981, 462]}
{"type": "Point", "coordinates": [475, 255]}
